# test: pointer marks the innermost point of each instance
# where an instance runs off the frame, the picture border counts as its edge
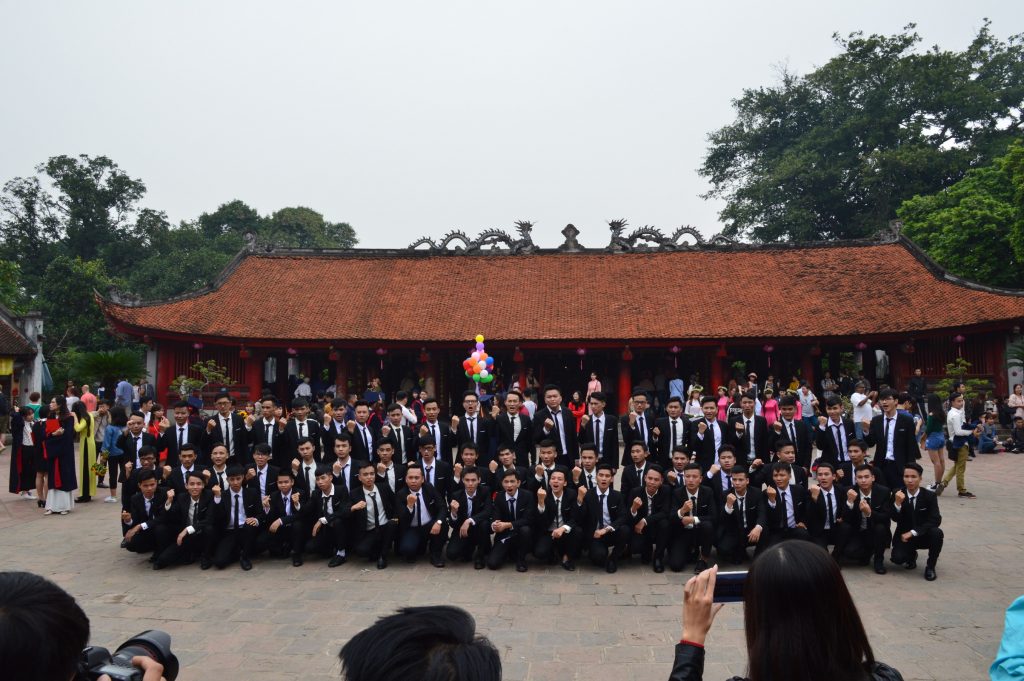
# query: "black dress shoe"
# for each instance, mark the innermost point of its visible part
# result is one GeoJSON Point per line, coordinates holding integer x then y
{"type": "Point", "coordinates": [659, 566]}
{"type": "Point", "coordinates": [382, 563]}
{"type": "Point", "coordinates": [521, 567]}
{"type": "Point", "coordinates": [929, 574]}
{"type": "Point", "coordinates": [611, 566]}
{"type": "Point", "coordinates": [40, 503]}
{"type": "Point", "coordinates": [700, 567]}
{"type": "Point", "coordinates": [101, 485]}
{"type": "Point", "coordinates": [569, 565]}
{"type": "Point", "coordinates": [478, 564]}
{"type": "Point", "coordinates": [83, 499]}
{"type": "Point", "coordinates": [437, 562]}
{"type": "Point", "coordinates": [910, 564]}
{"type": "Point", "coordinates": [880, 568]}
{"type": "Point", "coordinates": [296, 560]}
{"type": "Point", "coordinates": [245, 563]}
{"type": "Point", "coordinates": [335, 561]}
{"type": "Point", "coordinates": [205, 563]}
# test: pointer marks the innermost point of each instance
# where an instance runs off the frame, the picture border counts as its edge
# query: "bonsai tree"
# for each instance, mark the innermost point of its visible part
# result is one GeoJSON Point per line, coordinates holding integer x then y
{"type": "Point", "coordinates": [209, 371]}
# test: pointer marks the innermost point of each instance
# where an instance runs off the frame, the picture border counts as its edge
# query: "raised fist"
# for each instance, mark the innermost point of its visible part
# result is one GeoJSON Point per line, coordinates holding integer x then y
{"type": "Point", "coordinates": [266, 501]}
{"type": "Point", "coordinates": [687, 507]}
{"type": "Point", "coordinates": [772, 493]}
{"type": "Point", "coordinates": [815, 491]}
{"type": "Point", "coordinates": [281, 424]}
{"type": "Point", "coordinates": [454, 506]}
{"type": "Point", "coordinates": [702, 427]}
{"type": "Point", "coordinates": [756, 463]}
{"type": "Point", "coordinates": [851, 495]}
{"type": "Point", "coordinates": [410, 500]}
{"type": "Point", "coordinates": [295, 465]}
{"type": "Point", "coordinates": [900, 497]}
{"type": "Point", "coordinates": [549, 424]}
{"type": "Point", "coordinates": [542, 494]}
{"type": "Point", "coordinates": [126, 517]}
{"type": "Point", "coordinates": [714, 469]}
{"type": "Point", "coordinates": [730, 499]}
{"type": "Point", "coordinates": [866, 425]}
{"type": "Point", "coordinates": [495, 410]}
{"type": "Point", "coordinates": [777, 426]}
{"type": "Point", "coordinates": [210, 425]}
{"type": "Point", "coordinates": [585, 419]}
{"type": "Point", "coordinates": [673, 477]}
{"type": "Point", "coordinates": [129, 467]}
{"type": "Point", "coordinates": [576, 473]}
{"type": "Point", "coordinates": [637, 503]}
{"type": "Point", "coordinates": [493, 466]}
{"type": "Point", "coordinates": [295, 497]}
{"type": "Point", "coordinates": [864, 507]}
{"type": "Point", "coordinates": [327, 418]}
{"type": "Point", "coordinates": [206, 474]}
{"type": "Point", "coordinates": [249, 474]}
{"type": "Point", "coordinates": [385, 431]}
{"type": "Point", "coordinates": [822, 420]}
{"type": "Point", "coordinates": [381, 469]}
{"type": "Point", "coordinates": [216, 490]}
{"type": "Point", "coordinates": [170, 495]}
{"type": "Point", "coordinates": [656, 431]}
{"type": "Point", "coordinates": [458, 470]}
{"type": "Point", "coordinates": [580, 493]}
{"type": "Point", "coordinates": [249, 420]}
{"type": "Point", "coordinates": [350, 426]}
{"type": "Point", "coordinates": [455, 422]}
{"type": "Point", "coordinates": [632, 419]}
{"type": "Point", "coordinates": [539, 470]}
{"type": "Point", "coordinates": [336, 467]}
{"type": "Point", "coordinates": [359, 506]}
{"type": "Point", "coordinates": [167, 471]}
{"type": "Point", "coordinates": [740, 427]}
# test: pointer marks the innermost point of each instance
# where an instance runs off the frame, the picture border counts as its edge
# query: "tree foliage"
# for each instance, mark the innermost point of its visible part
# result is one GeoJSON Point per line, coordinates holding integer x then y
{"type": "Point", "coordinates": [832, 154]}
{"type": "Point", "coordinates": [106, 367]}
{"type": "Point", "coordinates": [210, 373]}
{"type": "Point", "coordinates": [975, 228]}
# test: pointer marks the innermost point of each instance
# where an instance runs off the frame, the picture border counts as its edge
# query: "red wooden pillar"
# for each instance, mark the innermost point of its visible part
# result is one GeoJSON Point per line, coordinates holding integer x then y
{"type": "Point", "coordinates": [899, 367]}
{"type": "Point", "coordinates": [716, 376]}
{"type": "Point", "coordinates": [807, 369]}
{"type": "Point", "coordinates": [253, 372]}
{"type": "Point", "coordinates": [997, 363]}
{"type": "Point", "coordinates": [342, 371]}
{"type": "Point", "coordinates": [625, 381]}
{"type": "Point", "coordinates": [165, 354]}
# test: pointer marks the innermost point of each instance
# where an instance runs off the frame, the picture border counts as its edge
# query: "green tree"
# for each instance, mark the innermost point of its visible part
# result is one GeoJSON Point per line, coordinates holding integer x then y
{"type": "Point", "coordinates": [107, 367]}
{"type": "Point", "coordinates": [975, 228]}
{"type": "Point", "coordinates": [12, 295]}
{"type": "Point", "coordinates": [302, 227]}
{"type": "Point", "coordinates": [956, 373]}
{"type": "Point", "coordinates": [833, 154]}
{"type": "Point", "coordinates": [65, 297]}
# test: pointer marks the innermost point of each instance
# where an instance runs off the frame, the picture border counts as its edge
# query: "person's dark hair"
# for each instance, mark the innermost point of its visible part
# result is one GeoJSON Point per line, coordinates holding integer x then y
{"type": "Point", "coordinates": [888, 393]}
{"type": "Point", "coordinates": [431, 400]}
{"type": "Point", "coordinates": [236, 471]}
{"type": "Point", "coordinates": [787, 401]}
{"type": "Point", "coordinates": [834, 401]}
{"type": "Point", "coordinates": [147, 450]}
{"type": "Point", "coordinates": [37, 615]}
{"type": "Point", "coordinates": [82, 412]}
{"type": "Point", "coordinates": [510, 472]}
{"type": "Point", "coordinates": [749, 395]}
{"type": "Point", "coordinates": [858, 443]}
{"type": "Point", "coordinates": [471, 470]}
{"type": "Point", "coordinates": [338, 403]}
{"type": "Point", "coordinates": [674, 398]}
{"type": "Point", "coordinates": [262, 448]}
{"type": "Point", "coordinates": [692, 467]}
{"type": "Point", "coordinates": [320, 470]}
{"type": "Point", "coordinates": [195, 474]}
{"type": "Point", "coordinates": [552, 386]}
{"type": "Point", "coordinates": [546, 443]}
{"type": "Point", "coordinates": [394, 406]}
{"type": "Point", "coordinates": [517, 394]}
{"type": "Point", "coordinates": [828, 465]}
{"type": "Point", "coordinates": [915, 466]}
{"type": "Point", "coordinates": [708, 398]}
{"type": "Point", "coordinates": [605, 466]}
{"type": "Point", "coordinates": [726, 448]}
{"type": "Point", "coordinates": [586, 447]}
{"type": "Point", "coordinates": [300, 402]}
{"type": "Point", "coordinates": [638, 443]}
{"type": "Point", "coordinates": [145, 474]}
{"type": "Point", "coordinates": [467, 445]}
{"type": "Point", "coordinates": [599, 396]}
{"type": "Point", "coordinates": [432, 643]}
{"type": "Point", "coordinates": [657, 469]}
{"type": "Point", "coordinates": [935, 409]}
{"type": "Point", "coordinates": [62, 408]}
{"type": "Point", "coordinates": [738, 470]}
{"type": "Point", "coordinates": [180, 404]}
{"type": "Point", "coordinates": [343, 436]}
{"type": "Point", "coordinates": [25, 411]}
{"type": "Point", "coordinates": [800, 639]}
{"type": "Point", "coordinates": [303, 441]}
{"type": "Point", "coordinates": [361, 403]}
{"type": "Point", "coordinates": [781, 466]}
{"type": "Point", "coordinates": [117, 417]}
{"type": "Point", "coordinates": [134, 413]}
{"type": "Point", "coordinates": [864, 467]}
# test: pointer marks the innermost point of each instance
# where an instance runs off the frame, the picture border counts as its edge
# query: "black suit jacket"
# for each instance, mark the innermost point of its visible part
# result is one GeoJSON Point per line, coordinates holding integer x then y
{"type": "Point", "coordinates": [904, 445]}
{"type": "Point", "coordinates": [176, 519]}
{"type": "Point", "coordinates": [443, 478]}
{"type": "Point", "coordinates": [485, 428]}
{"type": "Point", "coordinates": [291, 440]}
{"type": "Point", "coordinates": [400, 437]}
{"type": "Point", "coordinates": [663, 444]}
{"type": "Point", "coordinates": [436, 505]}
{"type": "Point", "coordinates": [661, 506]}
{"type": "Point", "coordinates": [742, 441]}
{"type": "Point", "coordinates": [754, 508]}
{"type": "Point", "coordinates": [525, 511]}
{"type": "Point", "coordinates": [630, 478]}
{"type": "Point", "coordinates": [384, 485]}
{"type": "Point", "coordinates": [924, 517]}
{"type": "Point", "coordinates": [328, 434]}
{"type": "Point", "coordinates": [523, 445]}
{"type": "Point", "coordinates": [703, 449]}
{"type": "Point", "coordinates": [609, 439]}
{"type": "Point", "coordinates": [704, 510]}
{"type": "Point", "coordinates": [278, 444]}
{"type": "Point", "coordinates": [448, 440]}
{"type": "Point", "coordinates": [826, 442]}
{"type": "Point", "coordinates": [277, 509]}
{"type": "Point", "coordinates": [271, 472]}
{"type": "Point", "coordinates": [881, 507]}
{"type": "Point", "coordinates": [352, 475]}
{"type": "Point", "coordinates": [777, 516]}
{"type": "Point", "coordinates": [494, 479]}
{"type": "Point", "coordinates": [169, 440]}
{"type": "Point", "coordinates": [341, 506]}
{"type": "Point", "coordinates": [817, 511]}
{"type": "Point", "coordinates": [239, 438]}
{"type": "Point", "coordinates": [570, 512]}
{"type": "Point", "coordinates": [176, 480]}
{"type": "Point", "coordinates": [592, 511]}
{"type": "Point", "coordinates": [359, 450]}
{"type": "Point", "coordinates": [126, 443]}
{"type": "Point", "coordinates": [715, 483]}
{"type": "Point", "coordinates": [252, 503]}
{"type": "Point", "coordinates": [763, 476]}
{"type": "Point", "coordinates": [568, 424]}
{"type": "Point", "coordinates": [631, 434]}
{"type": "Point", "coordinates": [482, 509]}
{"type": "Point", "coordinates": [533, 484]}
{"type": "Point", "coordinates": [137, 507]}
{"type": "Point", "coordinates": [804, 441]}
{"type": "Point", "coordinates": [358, 521]}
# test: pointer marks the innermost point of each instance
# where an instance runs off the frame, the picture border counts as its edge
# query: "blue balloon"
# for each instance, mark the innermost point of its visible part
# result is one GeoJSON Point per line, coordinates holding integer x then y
{"type": "Point", "coordinates": [490, 361]}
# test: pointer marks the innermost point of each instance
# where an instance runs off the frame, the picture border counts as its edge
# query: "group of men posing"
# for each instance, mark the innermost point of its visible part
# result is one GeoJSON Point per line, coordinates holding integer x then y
{"type": "Point", "coordinates": [239, 487]}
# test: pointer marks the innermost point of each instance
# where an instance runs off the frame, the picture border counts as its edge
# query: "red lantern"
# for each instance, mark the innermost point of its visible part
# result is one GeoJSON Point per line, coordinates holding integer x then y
{"type": "Point", "coordinates": [675, 355]}
{"type": "Point", "coordinates": [197, 346]}
{"type": "Point", "coordinates": [815, 350]}
{"type": "Point", "coordinates": [517, 356]}
{"type": "Point", "coordinates": [380, 353]}
{"type": "Point", "coordinates": [582, 352]}
{"type": "Point", "coordinates": [424, 356]}
{"type": "Point", "coordinates": [721, 352]}
{"type": "Point", "coordinates": [768, 347]}
{"type": "Point", "coordinates": [862, 346]}
{"type": "Point", "coordinates": [292, 351]}
{"type": "Point", "coordinates": [627, 354]}
{"type": "Point", "coordinates": [244, 352]}
{"type": "Point", "coordinates": [333, 355]}
{"type": "Point", "coordinates": [959, 340]}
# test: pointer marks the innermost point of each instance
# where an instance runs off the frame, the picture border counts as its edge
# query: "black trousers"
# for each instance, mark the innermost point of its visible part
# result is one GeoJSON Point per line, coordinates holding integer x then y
{"type": "Point", "coordinates": [868, 543]}
{"type": "Point", "coordinates": [516, 542]}
{"type": "Point", "coordinates": [837, 536]}
{"type": "Point", "coordinates": [892, 473]}
{"type": "Point", "coordinates": [192, 545]}
{"type": "Point", "coordinates": [375, 543]}
{"type": "Point", "coordinates": [733, 544]}
{"type": "Point", "coordinates": [930, 540]}
{"type": "Point", "coordinates": [329, 539]}
{"type": "Point", "coordinates": [547, 548]}
{"type": "Point", "coordinates": [147, 541]}
{"type": "Point", "coordinates": [598, 547]}
{"type": "Point", "coordinates": [652, 541]}
{"type": "Point", "coordinates": [477, 542]}
{"type": "Point", "coordinates": [683, 541]}
{"type": "Point", "coordinates": [288, 539]}
{"type": "Point", "coordinates": [413, 540]}
{"type": "Point", "coordinates": [231, 544]}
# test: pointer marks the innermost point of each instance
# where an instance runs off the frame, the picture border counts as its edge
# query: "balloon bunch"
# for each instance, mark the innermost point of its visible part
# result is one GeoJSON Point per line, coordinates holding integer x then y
{"type": "Point", "coordinates": [479, 365]}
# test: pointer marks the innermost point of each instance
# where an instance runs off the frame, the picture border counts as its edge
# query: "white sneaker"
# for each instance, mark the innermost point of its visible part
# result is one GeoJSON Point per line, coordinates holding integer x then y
{"type": "Point", "coordinates": [32, 495]}
{"type": "Point", "coordinates": [110, 500]}
{"type": "Point", "coordinates": [24, 495]}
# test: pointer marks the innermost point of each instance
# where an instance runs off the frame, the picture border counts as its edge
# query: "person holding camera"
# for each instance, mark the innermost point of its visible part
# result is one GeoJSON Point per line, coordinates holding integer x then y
{"type": "Point", "coordinates": [44, 633]}
{"type": "Point", "coordinates": [798, 639]}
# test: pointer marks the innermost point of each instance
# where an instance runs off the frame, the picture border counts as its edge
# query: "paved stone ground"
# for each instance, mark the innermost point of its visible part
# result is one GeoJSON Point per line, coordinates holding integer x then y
{"type": "Point", "coordinates": [279, 622]}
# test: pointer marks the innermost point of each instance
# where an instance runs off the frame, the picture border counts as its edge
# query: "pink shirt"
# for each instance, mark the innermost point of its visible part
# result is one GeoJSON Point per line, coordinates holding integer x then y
{"type": "Point", "coordinates": [770, 411]}
{"type": "Point", "coordinates": [89, 400]}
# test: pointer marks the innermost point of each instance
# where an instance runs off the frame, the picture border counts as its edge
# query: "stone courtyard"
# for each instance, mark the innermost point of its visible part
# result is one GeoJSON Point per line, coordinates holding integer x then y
{"type": "Point", "coordinates": [280, 622]}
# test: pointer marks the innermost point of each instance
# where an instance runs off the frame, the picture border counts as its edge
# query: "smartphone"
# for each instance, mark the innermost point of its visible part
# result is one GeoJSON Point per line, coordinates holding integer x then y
{"type": "Point", "coordinates": [729, 586]}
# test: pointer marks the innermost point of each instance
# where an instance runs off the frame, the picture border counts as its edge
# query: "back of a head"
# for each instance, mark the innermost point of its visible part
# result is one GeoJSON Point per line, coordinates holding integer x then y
{"type": "Point", "coordinates": [801, 623]}
{"type": "Point", "coordinates": [42, 629]}
{"type": "Point", "coordinates": [431, 643]}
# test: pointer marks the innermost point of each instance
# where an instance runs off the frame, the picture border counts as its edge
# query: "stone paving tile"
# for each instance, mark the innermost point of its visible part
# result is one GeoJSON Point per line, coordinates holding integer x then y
{"type": "Point", "coordinates": [282, 623]}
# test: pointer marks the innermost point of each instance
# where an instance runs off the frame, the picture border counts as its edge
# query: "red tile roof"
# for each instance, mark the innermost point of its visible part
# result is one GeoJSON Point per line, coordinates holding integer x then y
{"type": "Point", "coordinates": [13, 342]}
{"type": "Point", "coordinates": [743, 292]}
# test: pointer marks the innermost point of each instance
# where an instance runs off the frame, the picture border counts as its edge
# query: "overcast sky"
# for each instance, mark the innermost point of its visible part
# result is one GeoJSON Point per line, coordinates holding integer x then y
{"type": "Point", "coordinates": [414, 118]}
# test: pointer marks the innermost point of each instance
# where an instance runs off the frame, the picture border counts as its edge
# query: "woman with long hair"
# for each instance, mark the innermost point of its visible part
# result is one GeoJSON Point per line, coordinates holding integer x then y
{"type": "Point", "coordinates": [577, 407]}
{"type": "Point", "coordinates": [796, 639]}
{"type": "Point", "coordinates": [60, 458]}
{"type": "Point", "coordinates": [935, 437]}
{"type": "Point", "coordinates": [723, 402]}
{"type": "Point", "coordinates": [85, 427]}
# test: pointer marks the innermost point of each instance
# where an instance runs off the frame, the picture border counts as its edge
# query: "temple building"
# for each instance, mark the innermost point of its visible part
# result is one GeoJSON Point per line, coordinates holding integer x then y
{"type": "Point", "coordinates": [646, 306]}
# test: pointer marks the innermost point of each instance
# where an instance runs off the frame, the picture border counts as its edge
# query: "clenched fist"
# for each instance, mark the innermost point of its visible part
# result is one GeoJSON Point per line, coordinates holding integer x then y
{"type": "Point", "coordinates": [637, 503]}
{"type": "Point", "coordinates": [900, 497]}
{"type": "Point", "coordinates": [815, 491]}
{"type": "Point", "coordinates": [772, 493]}
{"type": "Point", "coordinates": [851, 495]}
{"type": "Point", "coordinates": [580, 493]}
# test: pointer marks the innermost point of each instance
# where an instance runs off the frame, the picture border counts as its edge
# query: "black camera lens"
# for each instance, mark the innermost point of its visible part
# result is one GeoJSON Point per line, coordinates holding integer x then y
{"type": "Point", "coordinates": [154, 644]}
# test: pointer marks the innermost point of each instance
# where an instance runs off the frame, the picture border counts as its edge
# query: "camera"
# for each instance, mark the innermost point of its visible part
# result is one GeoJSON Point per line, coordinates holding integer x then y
{"type": "Point", "coordinates": [152, 643]}
{"type": "Point", "coordinates": [729, 587]}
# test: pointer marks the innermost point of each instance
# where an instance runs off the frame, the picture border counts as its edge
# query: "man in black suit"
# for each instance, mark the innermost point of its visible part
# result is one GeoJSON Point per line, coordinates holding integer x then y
{"type": "Point", "coordinates": [286, 527]}
{"type": "Point", "coordinates": [470, 520]}
{"type": "Point", "coordinates": [304, 467]}
{"type": "Point", "coordinates": [261, 476]}
{"type": "Point", "coordinates": [554, 422]}
{"type": "Point", "coordinates": [436, 473]}
{"type": "Point", "coordinates": [143, 519]}
{"type": "Point", "coordinates": [648, 510]}
{"type": "Point", "coordinates": [674, 474]}
{"type": "Point", "coordinates": [374, 517]}
{"type": "Point", "coordinates": [604, 521]}
{"type": "Point", "coordinates": [390, 475]}
{"type": "Point", "coordinates": [176, 476]}
{"type": "Point", "coordinates": [327, 514]}
{"type": "Point", "coordinates": [188, 523]}
{"type": "Point", "coordinates": [228, 428]}
{"type": "Point", "coordinates": [787, 429]}
{"type": "Point", "coordinates": [635, 472]}
{"type": "Point", "coordinates": [147, 458]}
{"type": "Point", "coordinates": [134, 439]}
{"type": "Point", "coordinates": [706, 435]}
{"type": "Point", "coordinates": [748, 432]}
{"type": "Point", "coordinates": [835, 432]}
{"type": "Point", "coordinates": [515, 429]}
{"type": "Point", "coordinates": [585, 475]}
{"type": "Point", "coordinates": [601, 429]}
{"type": "Point", "coordinates": [692, 517]}
{"type": "Point", "coordinates": [639, 425]}
{"type": "Point", "coordinates": [541, 477]}
{"type": "Point", "coordinates": [786, 455]}
{"type": "Point", "coordinates": [868, 511]}
{"type": "Point", "coordinates": [421, 517]}
{"type": "Point", "coordinates": [402, 438]}
{"type": "Point", "coordinates": [364, 436]}
{"type": "Point", "coordinates": [513, 515]}
{"type": "Point", "coordinates": [558, 530]}
{"type": "Point", "coordinates": [892, 435]}
{"type": "Point", "coordinates": [238, 516]}
{"type": "Point", "coordinates": [473, 427]}
{"type": "Point", "coordinates": [334, 425]}
{"type": "Point", "coordinates": [269, 430]}
{"type": "Point", "coordinates": [440, 434]}
{"type": "Point", "coordinates": [916, 510]}
{"type": "Point", "coordinates": [670, 431]}
{"type": "Point", "coordinates": [825, 517]}
{"type": "Point", "coordinates": [743, 519]}
{"type": "Point", "coordinates": [300, 427]}
{"type": "Point", "coordinates": [344, 467]}
{"type": "Point", "coordinates": [506, 462]}
{"type": "Point", "coordinates": [179, 434]}
{"type": "Point", "coordinates": [719, 478]}
{"type": "Point", "coordinates": [785, 505]}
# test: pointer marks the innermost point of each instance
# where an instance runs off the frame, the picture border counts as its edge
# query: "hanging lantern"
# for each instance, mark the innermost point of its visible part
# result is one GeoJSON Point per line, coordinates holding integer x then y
{"type": "Point", "coordinates": [292, 351]}
{"type": "Point", "coordinates": [244, 353]}
{"type": "Point", "coordinates": [862, 346]}
{"type": "Point", "coordinates": [517, 356]}
{"type": "Point", "coordinates": [424, 356]}
{"type": "Point", "coordinates": [380, 353]}
{"type": "Point", "coordinates": [959, 340]}
{"type": "Point", "coordinates": [815, 350]}
{"type": "Point", "coordinates": [197, 346]}
{"type": "Point", "coordinates": [769, 348]}
{"type": "Point", "coordinates": [581, 352]}
{"type": "Point", "coordinates": [908, 348]}
{"type": "Point", "coordinates": [627, 354]}
{"type": "Point", "coordinates": [333, 355]}
{"type": "Point", "coordinates": [721, 352]}
{"type": "Point", "coordinates": [675, 355]}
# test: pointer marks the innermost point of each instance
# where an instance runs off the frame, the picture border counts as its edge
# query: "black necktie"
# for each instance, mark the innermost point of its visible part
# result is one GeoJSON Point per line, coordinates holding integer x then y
{"type": "Point", "coordinates": [675, 441]}
{"type": "Point", "coordinates": [270, 433]}
{"type": "Point", "coordinates": [181, 436]}
{"type": "Point", "coordinates": [785, 511]}
{"type": "Point", "coordinates": [376, 510]}
{"type": "Point", "coordinates": [590, 481]}
{"type": "Point", "coordinates": [263, 487]}
{"type": "Point", "coordinates": [419, 514]}
{"type": "Point", "coordinates": [220, 479]}
{"type": "Point", "coordinates": [840, 454]}
{"type": "Point", "coordinates": [743, 516]}
{"type": "Point", "coordinates": [887, 420]}
{"type": "Point", "coordinates": [831, 511]}
{"type": "Point", "coordinates": [511, 509]}
{"type": "Point", "coordinates": [427, 477]}
{"type": "Point", "coordinates": [792, 433]}
{"type": "Point", "coordinates": [324, 512]}
{"type": "Point", "coordinates": [301, 424]}
{"type": "Point", "coordinates": [600, 513]}
{"type": "Point", "coordinates": [237, 511]}
{"type": "Point", "coordinates": [401, 443]}
{"type": "Point", "coordinates": [366, 440]}
{"type": "Point", "coordinates": [192, 513]}
{"type": "Point", "coordinates": [472, 428]}
{"type": "Point", "coordinates": [308, 481]}
{"type": "Point", "coordinates": [227, 435]}
{"type": "Point", "coordinates": [640, 428]}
